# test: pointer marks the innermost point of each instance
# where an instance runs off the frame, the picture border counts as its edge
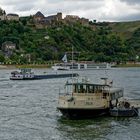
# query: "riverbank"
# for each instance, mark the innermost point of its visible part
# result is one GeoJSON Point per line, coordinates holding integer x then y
{"type": "Point", "coordinates": [49, 66]}
{"type": "Point", "coordinates": [127, 65]}
{"type": "Point", "coordinates": [24, 66]}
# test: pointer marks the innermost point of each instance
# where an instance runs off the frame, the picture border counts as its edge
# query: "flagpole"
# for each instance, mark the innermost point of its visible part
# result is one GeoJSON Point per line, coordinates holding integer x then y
{"type": "Point", "coordinates": [72, 68]}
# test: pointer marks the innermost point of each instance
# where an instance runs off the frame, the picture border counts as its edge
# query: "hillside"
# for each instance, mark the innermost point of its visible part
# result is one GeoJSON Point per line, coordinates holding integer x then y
{"type": "Point", "coordinates": [125, 29]}
{"type": "Point", "coordinates": [104, 42]}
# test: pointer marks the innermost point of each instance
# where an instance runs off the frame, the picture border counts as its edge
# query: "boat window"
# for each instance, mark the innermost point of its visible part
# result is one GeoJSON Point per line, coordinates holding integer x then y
{"type": "Point", "coordinates": [98, 89]}
{"type": "Point", "coordinates": [116, 95]}
{"type": "Point", "coordinates": [84, 88]}
{"type": "Point", "coordinates": [113, 96]}
{"type": "Point", "coordinates": [75, 90]}
{"type": "Point", "coordinates": [89, 89]}
{"type": "Point", "coordinates": [81, 88]}
{"type": "Point", "coordinates": [104, 95]}
{"type": "Point", "coordinates": [68, 89]}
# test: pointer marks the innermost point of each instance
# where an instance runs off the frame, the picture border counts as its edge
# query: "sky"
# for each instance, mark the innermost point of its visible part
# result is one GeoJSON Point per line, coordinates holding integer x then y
{"type": "Point", "coordinates": [101, 10]}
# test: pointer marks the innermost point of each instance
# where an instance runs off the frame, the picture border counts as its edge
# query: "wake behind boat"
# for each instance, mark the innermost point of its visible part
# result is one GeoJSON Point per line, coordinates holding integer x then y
{"type": "Point", "coordinates": [27, 74]}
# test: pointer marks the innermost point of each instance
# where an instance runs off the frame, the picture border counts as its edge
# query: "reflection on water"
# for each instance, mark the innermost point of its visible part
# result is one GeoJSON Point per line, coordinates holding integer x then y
{"type": "Point", "coordinates": [28, 109]}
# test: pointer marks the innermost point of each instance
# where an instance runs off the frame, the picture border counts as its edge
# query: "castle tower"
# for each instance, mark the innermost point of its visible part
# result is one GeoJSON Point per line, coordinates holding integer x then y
{"type": "Point", "coordinates": [38, 16]}
{"type": "Point", "coordinates": [59, 16]}
{"type": "Point", "coordinates": [2, 14]}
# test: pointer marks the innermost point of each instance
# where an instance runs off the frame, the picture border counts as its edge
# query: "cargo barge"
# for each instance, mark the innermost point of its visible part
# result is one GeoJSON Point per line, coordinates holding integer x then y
{"type": "Point", "coordinates": [27, 74]}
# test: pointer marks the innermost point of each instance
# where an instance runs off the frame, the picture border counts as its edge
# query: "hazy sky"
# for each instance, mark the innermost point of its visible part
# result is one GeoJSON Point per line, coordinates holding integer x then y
{"type": "Point", "coordinates": [101, 10]}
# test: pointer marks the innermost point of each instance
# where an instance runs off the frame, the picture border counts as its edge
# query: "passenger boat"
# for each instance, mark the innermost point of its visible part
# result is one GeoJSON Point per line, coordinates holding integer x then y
{"type": "Point", "coordinates": [27, 74]}
{"type": "Point", "coordinates": [82, 99]}
{"type": "Point", "coordinates": [62, 66]}
{"type": "Point", "coordinates": [81, 66]}
{"type": "Point", "coordinates": [85, 65]}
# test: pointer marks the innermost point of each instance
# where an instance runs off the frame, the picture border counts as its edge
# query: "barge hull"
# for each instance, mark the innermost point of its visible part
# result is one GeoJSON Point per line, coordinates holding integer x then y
{"type": "Point", "coordinates": [49, 76]}
{"type": "Point", "coordinates": [56, 76]}
{"type": "Point", "coordinates": [124, 112]}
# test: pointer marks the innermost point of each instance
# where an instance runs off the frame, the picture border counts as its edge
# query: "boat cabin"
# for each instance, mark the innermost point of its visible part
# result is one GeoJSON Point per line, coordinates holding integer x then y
{"type": "Point", "coordinates": [25, 70]}
{"type": "Point", "coordinates": [24, 73]}
{"type": "Point", "coordinates": [103, 90]}
{"type": "Point", "coordinates": [84, 99]}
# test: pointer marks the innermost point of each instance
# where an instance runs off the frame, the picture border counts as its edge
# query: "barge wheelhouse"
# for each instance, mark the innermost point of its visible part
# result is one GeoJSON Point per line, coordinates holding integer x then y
{"type": "Point", "coordinates": [23, 74]}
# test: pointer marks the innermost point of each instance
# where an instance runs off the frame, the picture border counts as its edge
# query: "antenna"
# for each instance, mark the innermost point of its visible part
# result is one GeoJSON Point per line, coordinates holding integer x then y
{"type": "Point", "coordinates": [72, 61]}
{"type": "Point", "coordinates": [72, 56]}
{"type": "Point", "coordinates": [72, 68]}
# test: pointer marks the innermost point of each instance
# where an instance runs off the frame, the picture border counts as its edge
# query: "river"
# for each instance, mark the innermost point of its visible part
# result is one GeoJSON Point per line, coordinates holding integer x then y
{"type": "Point", "coordinates": [28, 109]}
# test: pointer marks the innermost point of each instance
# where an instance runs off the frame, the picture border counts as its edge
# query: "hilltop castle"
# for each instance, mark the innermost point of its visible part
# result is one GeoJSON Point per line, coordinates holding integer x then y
{"type": "Point", "coordinates": [11, 16]}
{"type": "Point", "coordinates": [41, 21]}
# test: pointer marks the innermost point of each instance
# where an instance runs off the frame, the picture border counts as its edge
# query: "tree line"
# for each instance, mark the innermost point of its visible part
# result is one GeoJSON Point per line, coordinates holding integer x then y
{"type": "Point", "coordinates": [99, 44]}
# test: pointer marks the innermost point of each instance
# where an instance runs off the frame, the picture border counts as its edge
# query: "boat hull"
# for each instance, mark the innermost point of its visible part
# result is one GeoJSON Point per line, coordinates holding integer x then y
{"type": "Point", "coordinates": [124, 112]}
{"type": "Point", "coordinates": [49, 76]}
{"type": "Point", "coordinates": [83, 113]}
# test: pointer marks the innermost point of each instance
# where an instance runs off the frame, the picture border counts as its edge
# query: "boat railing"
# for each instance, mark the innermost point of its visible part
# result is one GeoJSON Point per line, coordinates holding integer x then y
{"type": "Point", "coordinates": [136, 111]}
{"type": "Point", "coordinates": [65, 93]}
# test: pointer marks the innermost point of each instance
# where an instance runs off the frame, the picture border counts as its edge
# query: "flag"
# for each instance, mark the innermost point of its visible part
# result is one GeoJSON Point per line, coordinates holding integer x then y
{"type": "Point", "coordinates": [64, 59]}
{"type": "Point", "coordinates": [111, 82]}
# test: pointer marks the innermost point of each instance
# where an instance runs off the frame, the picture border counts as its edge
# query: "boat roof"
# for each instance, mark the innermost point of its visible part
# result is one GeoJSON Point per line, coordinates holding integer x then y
{"type": "Point", "coordinates": [88, 84]}
{"type": "Point", "coordinates": [106, 88]}
{"type": "Point", "coordinates": [25, 69]}
{"type": "Point", "coordinates": [14, 72]}
{"type": "Point", "coordinates": [113, 90]}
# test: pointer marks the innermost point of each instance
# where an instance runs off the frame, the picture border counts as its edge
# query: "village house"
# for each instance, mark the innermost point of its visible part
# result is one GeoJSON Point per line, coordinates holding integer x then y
{"type": "Point", "coordinates": [12, 17]}
{"type": "Point", "coordinates": [8, 47]}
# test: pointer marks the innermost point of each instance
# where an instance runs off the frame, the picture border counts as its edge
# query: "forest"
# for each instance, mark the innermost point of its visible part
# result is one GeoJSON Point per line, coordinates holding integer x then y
{"type": "Point", "coordinates": [99, 42]}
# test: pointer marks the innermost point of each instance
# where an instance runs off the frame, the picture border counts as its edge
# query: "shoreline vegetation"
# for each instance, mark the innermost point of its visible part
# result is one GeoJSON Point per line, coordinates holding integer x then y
{"type": "Point", "coordinates": [24, 66]}
{"type": "Point", "coordinates": [127, 65]}
{"type": "Point", "coordinates": [24, 42]}
{"type": "Point", "coordinates": [49, 66]}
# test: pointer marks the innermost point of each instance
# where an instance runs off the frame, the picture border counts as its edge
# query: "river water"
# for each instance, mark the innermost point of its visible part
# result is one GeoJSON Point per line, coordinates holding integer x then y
{"type": "Point", "coordinates": [28, 109]}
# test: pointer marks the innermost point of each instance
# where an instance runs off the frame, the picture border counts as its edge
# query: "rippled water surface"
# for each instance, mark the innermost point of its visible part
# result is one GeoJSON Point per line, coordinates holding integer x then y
{"type": "Point", "coordinates": [28, 109]}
